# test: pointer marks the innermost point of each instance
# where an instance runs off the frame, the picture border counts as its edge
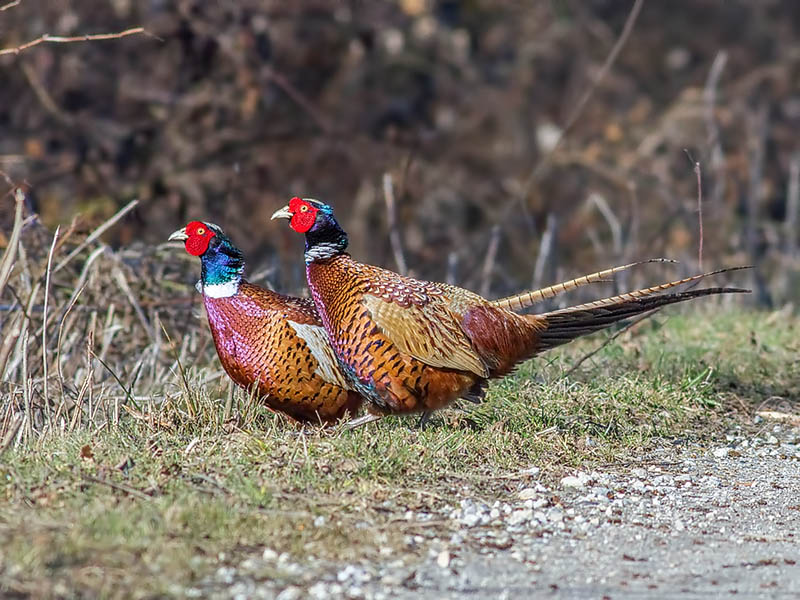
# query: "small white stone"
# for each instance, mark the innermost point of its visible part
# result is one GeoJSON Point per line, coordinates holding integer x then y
{"type": "Point", "coordinates": [471, 519]}
{"type": "Point", "coordinates": [572, 482]}
{"type": "Point", "coordinates": [531, 471]}
{"type": "Point", "coordinates": [290, 593]}
{"type": "Point", "coordinates": [519, 516]}
{"type": "Point", "coordinates": [443, 559]}
{"type": "Point", "coordinates": [721, 452]}
{"type": "Point", "coordinates": [540, 503]}
{"type": "Point", "coordinates": [527, 494]}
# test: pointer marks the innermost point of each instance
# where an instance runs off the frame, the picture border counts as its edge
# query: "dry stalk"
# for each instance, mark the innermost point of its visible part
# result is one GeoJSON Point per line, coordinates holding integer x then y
{"type": "Point", "coordinates": [59, 39]}
{"type": "Point", "coordinates": [10, 255]}
{"type": "Point", "coordinates": [717, 157]}
{"type": "Point", "coordinates": [394, 229]}
{"type": "Point", "coordinates": [46, 397]}
{"type": "Point", "coordinates": [26, 389]}
{"type": "Point", "coordinates": [11, 4]}
{"type": "Point", "coordinates": [488, 263]}
{"type": "Point", "coordinates": [546, 245]}
{"type": "Point", "coordinates": [97, 233]}
{"type": "Point", "coordinates": [584, 99]}
{"type": "Point", "coordinates": [791, 223]}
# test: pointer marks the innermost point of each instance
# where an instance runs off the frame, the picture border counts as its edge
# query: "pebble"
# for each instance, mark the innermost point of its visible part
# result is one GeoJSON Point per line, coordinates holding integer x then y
{"type": "Point", "coordinates": [290, 593]}
{"type": "Point", "coordinates": [691, 499]}
{"type": "Point", "coordinates": [575, 481]}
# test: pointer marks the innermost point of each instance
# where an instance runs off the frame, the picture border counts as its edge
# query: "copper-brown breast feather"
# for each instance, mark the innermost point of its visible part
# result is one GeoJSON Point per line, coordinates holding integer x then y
{"type": "Point", "coordinates": [258, 342]}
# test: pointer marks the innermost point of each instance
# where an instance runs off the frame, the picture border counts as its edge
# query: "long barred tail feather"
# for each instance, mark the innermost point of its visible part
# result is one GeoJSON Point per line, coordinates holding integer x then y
{"type": "Point", "coordinates": [562, 326]}
{"type": "Point", "coordinates": [526, 299]}
{"type": "Point", "coordinates": [644, 292]}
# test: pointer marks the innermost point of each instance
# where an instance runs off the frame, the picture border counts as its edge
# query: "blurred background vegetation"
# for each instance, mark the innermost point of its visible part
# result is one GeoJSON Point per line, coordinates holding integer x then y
{"type": "Point", "coordinates": [237, 106]}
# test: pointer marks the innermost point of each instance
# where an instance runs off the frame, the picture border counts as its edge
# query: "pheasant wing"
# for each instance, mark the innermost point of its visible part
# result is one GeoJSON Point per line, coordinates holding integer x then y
{"type": "Point", "coordinates": [429, 331]}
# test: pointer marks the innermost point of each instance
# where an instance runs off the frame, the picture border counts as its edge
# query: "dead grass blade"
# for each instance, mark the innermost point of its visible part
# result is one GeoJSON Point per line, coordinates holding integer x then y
{"type": "Point", "coordinates": [10, 255]}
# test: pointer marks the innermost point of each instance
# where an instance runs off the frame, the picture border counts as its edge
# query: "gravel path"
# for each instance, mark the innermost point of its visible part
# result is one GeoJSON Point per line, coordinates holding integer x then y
{"type": "Point", "coordinates": [693, 522]}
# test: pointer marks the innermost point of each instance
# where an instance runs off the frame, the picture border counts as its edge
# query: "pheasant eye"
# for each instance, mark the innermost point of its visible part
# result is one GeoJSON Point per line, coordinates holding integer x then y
{"type": "Point", "coordinates": [303, 208]}
{"type": "Point", "coordinates": [200, 231]}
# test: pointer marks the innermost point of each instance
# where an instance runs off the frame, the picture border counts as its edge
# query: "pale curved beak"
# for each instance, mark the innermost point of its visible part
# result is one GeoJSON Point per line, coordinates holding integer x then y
{"type": "Point", "coordinates": [282, 213]}
{"type": "Point", "coordinates": [179, 235]}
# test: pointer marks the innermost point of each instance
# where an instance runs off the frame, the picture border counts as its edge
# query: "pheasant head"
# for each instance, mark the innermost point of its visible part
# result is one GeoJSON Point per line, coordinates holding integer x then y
{"type": "Point", "coordinates": [324, 236]}
{"type": "Point", "coordinates": [222, 263]}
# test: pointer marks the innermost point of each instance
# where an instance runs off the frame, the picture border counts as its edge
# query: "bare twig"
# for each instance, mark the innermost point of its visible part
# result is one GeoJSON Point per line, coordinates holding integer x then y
{"type": "Point", "coordinates": [58, 39]}
{"type": "Point", "coordinates": [584, 99]}
{"type": "Point", "coordinates": [699, 175]}
{"type": "Point", "coordinates": [44, 97]}
{"type": "Point", "coordinates": [184, 380]}
{"type": "Point", "coordinates": [394, 229]}
{"type": "Point", "coordinates": [717, 158]}
{"type": "Point", "coordinates": [759, 127]}
{"type": "Point", "coordinates": [97, 233]}
{"type": "Point", "coordinates": [452, 267]}
{"type": "Point", "coordinates": [488, 264]}
{"type": "Point", "coordinates": [26, 387]}
{"type": "Point", "coordinates": [11, 432]}
{"type": "Point", "coordinates": [300, 99]}
{"type": "Point", "coordinates": [131, 491]}
{"type": "Point", "coordinates": [122, 282]}
{"type": "Point", "coordinates": [613, 222]}
{"type": "Point", "coordinates": [9, 256]}
{"type": "Point", "coordinates": [546, 245]}
{"type": "Point", "coordinates": [792, 221]}
{"type": "Point", "coordinates": [44, 317]}
{"type": "Point", "coordinates": [606, 342]}
{"type": "Point", "coordinates": [59, 368]}
{"type": "Point", "coordinates": [10, 5]}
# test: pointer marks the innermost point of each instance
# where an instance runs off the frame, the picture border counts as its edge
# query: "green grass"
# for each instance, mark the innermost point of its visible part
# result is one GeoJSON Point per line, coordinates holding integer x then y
{"type": "Point", "coordinates": [141, 508]}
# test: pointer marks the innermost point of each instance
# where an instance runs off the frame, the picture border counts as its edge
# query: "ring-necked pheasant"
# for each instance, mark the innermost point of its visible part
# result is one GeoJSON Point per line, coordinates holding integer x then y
{"type": "Point", "coordinates": [411, 346]}
{"type": "Point", "coordinates": [274, 342]}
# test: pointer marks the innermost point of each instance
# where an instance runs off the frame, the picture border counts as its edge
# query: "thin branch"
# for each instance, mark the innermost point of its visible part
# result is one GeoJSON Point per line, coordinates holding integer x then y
{"type": "Point", "coordinates": [44, 97]}
{"type": "Point", "coordinates": [44, 313]}
{"type": "Point", "coordinates": [97, 233]}
{"type": "Point", "coordinates": [394, 230]}
{"type": "Point", "coordinates": [717, 157]}
{"type": "Point", "coordinates": [300, 99]}
{"type": "Point", "coordinates": [792, 206]}
{"type": "Point", "coordinates": [610, 339]}
{"type": "Point", "coordinates": [698, 173]}
{"type": "Point", "coordinates": [9, 257]}
{"type": "Point", "coordinates": [452, 266]}
{"type": "Point", "coordinates": [10, 5]}
{"type": "Point", "coordinates": [131, 491]}
{"type": "Point", "coordinates": [578, 110]}
{"type": "Point", "coordinates": [546, 245]}
{"type": "Point", "coordinates": [613, 222]}
{"type": "Point", "coordinates": [488, 264]}
{"type": "Point", "coordinates": [58, 39]}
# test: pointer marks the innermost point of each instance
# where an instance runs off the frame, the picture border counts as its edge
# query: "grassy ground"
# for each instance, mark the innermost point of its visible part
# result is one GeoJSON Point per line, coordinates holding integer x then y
{"type": "Point", "coordinates": [164, 499]}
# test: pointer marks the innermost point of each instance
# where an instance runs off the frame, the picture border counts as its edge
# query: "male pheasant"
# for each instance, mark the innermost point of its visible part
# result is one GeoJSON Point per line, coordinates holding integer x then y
{"type": "Point", "coordinates": [264, 339]}
{"type": "Point", "coordinates": [409, 346]}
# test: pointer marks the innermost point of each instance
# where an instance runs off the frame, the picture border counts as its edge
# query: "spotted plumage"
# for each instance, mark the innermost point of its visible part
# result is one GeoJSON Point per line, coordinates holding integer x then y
{"type": "Point", "coordinates": [410, 345]}
{"type": "Point", "coordinates": [265, 340]}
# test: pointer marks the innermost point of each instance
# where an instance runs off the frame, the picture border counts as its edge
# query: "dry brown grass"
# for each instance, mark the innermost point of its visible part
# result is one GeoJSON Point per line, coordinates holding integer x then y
{"type": "Point", "coordinates": [91, 334]}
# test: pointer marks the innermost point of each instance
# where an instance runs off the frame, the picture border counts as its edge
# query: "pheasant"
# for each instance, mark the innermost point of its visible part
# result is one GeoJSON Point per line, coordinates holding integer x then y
{"type": "Point", "coordinates": [416, 346]}
{"type": "Point", "coordinates": [264, 340]}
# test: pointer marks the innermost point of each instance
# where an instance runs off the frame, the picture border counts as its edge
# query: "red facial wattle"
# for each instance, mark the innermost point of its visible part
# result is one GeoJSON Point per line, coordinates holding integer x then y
{"type": "Point", "coordinates": [199, 235]}
{"type": "Point", "coordinates": [304, 215]}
